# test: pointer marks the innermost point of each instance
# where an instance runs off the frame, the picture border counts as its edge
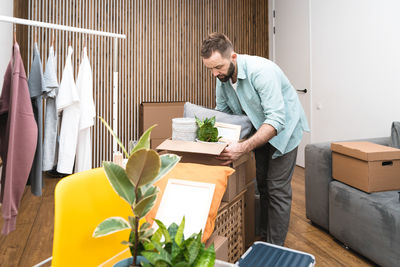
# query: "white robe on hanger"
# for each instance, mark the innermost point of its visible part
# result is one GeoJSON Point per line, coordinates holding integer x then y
{"type": "Point", "coordinates": [68, 103]}
{"type": "Point", "coordinates": [84, 83]}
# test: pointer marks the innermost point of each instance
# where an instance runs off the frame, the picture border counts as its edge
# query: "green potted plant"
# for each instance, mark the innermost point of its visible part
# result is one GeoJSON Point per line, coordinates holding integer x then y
{"type": "Point", "coordinates": [207, 132]}
{"type": "Point", "coordinates": [175, 250]}
{"type": "Point", "coordinates": [134, 184]}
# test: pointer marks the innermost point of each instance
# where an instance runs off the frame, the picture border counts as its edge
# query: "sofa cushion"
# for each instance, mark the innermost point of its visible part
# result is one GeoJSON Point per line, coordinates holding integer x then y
{"type": "Point", "coordinates": [395, 134]}
{"type": "Point", "coordinates": [367, 223]}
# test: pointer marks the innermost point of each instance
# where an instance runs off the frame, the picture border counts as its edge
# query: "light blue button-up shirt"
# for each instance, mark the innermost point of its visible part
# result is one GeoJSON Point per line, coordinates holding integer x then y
{"type": "Point", "coordinates": [265, 95]}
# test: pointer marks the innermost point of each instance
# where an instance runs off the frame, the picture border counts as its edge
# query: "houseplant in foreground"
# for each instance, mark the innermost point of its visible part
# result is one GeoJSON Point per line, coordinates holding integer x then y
{"type": "Point", "coordinates": [134, 184]}
{"type": "Point", "coordinates": [175, 250]}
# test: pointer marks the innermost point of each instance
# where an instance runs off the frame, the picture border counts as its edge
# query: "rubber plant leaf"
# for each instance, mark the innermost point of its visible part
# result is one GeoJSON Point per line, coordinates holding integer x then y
{"type": "Point", "coordinates": [144, 206]}
{"type": "Point", "coordinates": [144, 140]}
{"type": "Point", "coordinates": [168, 162]}
{"type": "Point", "coordinates": [143, 167]}
{"type": "Point", "coordinates": [115, 136]}
{"type": "Point", "coordinates": [111, 225]}
{"type": "Point", "coordinates": [148, 190]}
{"type": "Point", "coordinates": [119, 181]}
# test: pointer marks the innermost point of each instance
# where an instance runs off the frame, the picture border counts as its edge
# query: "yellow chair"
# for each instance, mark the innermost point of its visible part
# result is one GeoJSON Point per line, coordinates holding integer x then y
{"type": "Point", "coordinates": [82, 201]}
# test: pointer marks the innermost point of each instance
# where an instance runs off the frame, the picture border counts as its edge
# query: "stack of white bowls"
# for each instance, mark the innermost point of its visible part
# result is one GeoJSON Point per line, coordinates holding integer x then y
{"type": "Point", "coordinates": [184, 129]}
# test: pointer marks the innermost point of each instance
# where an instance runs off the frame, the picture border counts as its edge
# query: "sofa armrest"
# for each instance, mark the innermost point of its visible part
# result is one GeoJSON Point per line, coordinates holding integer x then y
{"type": "Point", "coordinates": [318, 175]}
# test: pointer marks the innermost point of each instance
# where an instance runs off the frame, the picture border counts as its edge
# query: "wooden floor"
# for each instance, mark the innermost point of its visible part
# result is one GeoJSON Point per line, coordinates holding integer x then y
{"type": "Point", "coordinates": [32, 241]}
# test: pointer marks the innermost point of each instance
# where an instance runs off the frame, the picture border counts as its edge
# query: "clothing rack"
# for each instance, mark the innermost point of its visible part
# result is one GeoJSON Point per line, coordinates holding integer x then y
{"type": "Point", "coordinates": [116, 36]}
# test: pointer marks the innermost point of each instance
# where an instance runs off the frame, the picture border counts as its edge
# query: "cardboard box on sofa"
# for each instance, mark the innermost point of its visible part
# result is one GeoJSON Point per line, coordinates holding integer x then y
{"type": "Point", "coordinates": [366, 166]}
{"type": "Point", "coordinates": [160, 114]}
{"type": "Point", "coordinates": [205, 153]}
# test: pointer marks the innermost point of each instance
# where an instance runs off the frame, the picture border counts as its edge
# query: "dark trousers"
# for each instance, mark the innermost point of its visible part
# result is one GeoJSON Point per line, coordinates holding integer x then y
{"type": "Point", "coordinates": [274, 184]}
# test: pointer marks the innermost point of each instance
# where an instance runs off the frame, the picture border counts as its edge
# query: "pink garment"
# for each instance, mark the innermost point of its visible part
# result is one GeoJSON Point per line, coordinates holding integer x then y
{"type": "Point", "coordinates": [18, 138]}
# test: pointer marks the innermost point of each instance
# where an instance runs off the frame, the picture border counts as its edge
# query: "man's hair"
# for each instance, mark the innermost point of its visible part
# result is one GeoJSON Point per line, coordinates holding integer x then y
{"type": "Point", "coordinates": [216, 42]}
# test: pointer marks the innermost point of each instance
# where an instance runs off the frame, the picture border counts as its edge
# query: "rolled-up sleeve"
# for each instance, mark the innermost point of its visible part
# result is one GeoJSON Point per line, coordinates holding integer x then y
{"type": "Point", "coordinates": [268, 86]}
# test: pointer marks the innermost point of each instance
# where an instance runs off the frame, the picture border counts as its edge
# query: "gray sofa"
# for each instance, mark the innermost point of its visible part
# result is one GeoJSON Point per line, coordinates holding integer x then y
{"type": "Point", "coordinates": [367, 223]}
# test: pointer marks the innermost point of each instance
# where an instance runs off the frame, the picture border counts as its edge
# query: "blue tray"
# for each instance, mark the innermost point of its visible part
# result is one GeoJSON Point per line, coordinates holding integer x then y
{"type": "Point", "coordinates": [265, 254]}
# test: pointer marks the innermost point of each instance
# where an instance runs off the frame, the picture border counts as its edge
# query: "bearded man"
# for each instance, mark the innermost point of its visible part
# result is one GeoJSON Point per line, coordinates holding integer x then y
{"type": "Point", "coordinates": [257, 87]}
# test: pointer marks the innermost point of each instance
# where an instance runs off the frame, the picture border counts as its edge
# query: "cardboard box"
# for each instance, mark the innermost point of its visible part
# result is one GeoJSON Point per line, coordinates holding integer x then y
{"type": "Point", "coordinates": [220, 246]}
{"type": "Point", "coordinates": [155, 142]}
{"type": "Point", "coordinates": [251, 168]}
{"type": "Point", "coordinates": [366, 166]}
{"type": "Point", "coordinates": [249, 214]}
{"type": "Point", "coordinates": [160, 114]}
{"type": "Point", "coordinates": [205, 153]}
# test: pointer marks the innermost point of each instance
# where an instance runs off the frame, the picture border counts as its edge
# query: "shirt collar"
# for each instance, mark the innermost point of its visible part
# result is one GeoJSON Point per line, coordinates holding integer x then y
{"type": "Point", "coordinates": [240, 66]}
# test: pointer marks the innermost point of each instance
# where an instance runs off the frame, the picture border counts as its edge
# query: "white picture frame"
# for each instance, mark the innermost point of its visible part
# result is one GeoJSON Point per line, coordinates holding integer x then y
{"type": "Point", "coordinates": [186, 198]}
{"type": "Point", "coordinates": [228, 132]}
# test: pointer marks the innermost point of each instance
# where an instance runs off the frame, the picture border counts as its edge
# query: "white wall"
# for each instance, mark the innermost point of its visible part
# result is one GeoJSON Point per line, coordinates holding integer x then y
{"type": "Point", "coordinates": [6, 38]}
{"type": "Point", "coordinates": [355, 62]}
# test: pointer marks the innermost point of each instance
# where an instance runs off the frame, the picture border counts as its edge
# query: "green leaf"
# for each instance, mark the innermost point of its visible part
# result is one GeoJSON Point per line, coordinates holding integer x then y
{"type": "Point", "coordinates": [147, 233]}
{"type": "Point", "coordinates": [198, 121]}
{"type": "Point", "coordinates": [144, 206]}
{"type": "Point", "coordinates": [179, 234]}
{"type": "Point", "coordinates": [161, 263]}
{"type": "Point", "coordinates": [145, 226]}
{"type": "Point", "coordinates": [168, 162]}
{"type": "Point", "coordinates": [212, 121]}
{"type": "Point", "coordinates": [193, 248]}
{"type": "Point", "coordinates": [111, 225]}
{"type": "Point", "coordinates": [115, 136]}
{"type": "Point", "coordinates": [172, 229]}
{"type": "Point", "coordinates": [144, 140]}
{"type": "Point", "coordinates": [164, 231]}
{"type": "Point", "coordinates": [182, 264]}
{"type": "Point", "coordinates": [152, 257]}
{"type": "Point", "coordinates": [148, 190]}
{"type": "Point", "coordinates": [120, 182]}
{"type": "Point", "coordinates": [163, 253]}
{"type": "Point", "coordinates": [157, 235]}
{"type": "Point", "coordinates": [206, 257]}
{"type": "Point", "coordinates": [143, 167]}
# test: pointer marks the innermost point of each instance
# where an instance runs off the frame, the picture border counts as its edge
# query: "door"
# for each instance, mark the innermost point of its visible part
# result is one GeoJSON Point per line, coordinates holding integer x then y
{"type": "Point", "coordinates": [290, 49]}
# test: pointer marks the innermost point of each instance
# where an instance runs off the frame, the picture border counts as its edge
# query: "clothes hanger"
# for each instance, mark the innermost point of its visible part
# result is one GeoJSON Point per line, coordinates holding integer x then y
{"type": "Point", "coordinates": [52, 39]}
{"type": "Point", "coordinates": [15, 33]}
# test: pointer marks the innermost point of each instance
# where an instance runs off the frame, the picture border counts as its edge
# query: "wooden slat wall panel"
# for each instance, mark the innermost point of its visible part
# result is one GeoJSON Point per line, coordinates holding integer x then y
{"type": "Point", "coordinates": [158, 62]}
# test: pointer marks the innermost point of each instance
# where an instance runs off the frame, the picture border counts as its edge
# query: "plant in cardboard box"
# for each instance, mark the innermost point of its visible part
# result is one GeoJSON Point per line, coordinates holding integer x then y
{"type": "Point", "coordinates": [134, 184]}
{"type": "Point", "coordinates": [175, 250]}
{"type": "Point", "coordinates": [207, 131]}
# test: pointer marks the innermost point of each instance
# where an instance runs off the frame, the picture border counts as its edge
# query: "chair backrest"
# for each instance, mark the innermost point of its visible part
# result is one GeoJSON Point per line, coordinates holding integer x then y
{"type": "Point", "coordinates": [82, 201]}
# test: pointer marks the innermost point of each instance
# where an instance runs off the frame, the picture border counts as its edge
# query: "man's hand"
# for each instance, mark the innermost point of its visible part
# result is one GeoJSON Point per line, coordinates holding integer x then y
{"type": "Point", "coordinates": [232, 152]}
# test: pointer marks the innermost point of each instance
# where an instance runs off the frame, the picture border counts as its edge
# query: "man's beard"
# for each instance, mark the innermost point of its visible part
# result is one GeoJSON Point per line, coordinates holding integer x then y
{"type": "Point", "coordinates": [225, 78]}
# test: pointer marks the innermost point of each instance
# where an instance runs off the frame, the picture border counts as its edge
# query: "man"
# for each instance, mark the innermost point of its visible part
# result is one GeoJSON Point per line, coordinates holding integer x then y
{"type": "Point", "coordinates": [258, 88]}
